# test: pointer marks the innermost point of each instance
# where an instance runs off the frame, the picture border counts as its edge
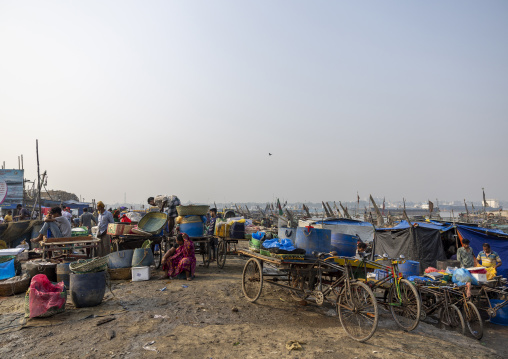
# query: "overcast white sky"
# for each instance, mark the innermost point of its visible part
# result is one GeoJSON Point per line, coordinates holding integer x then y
{"type": "Point", "coordinates": [394, 98]}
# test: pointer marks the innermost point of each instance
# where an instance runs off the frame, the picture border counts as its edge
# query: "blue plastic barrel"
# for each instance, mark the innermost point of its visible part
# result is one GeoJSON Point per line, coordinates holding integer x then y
{"type": "Point", "coordinates": [120, 259]}
{"type": "Point", "coordinates": [289, 233]}
{"type": "Point", "coordinates": [87, 290]}
{"type": "Point", "coordinates": [63, 274]}
{"type": "Point", "coordinates": [409, 268]}
{"type": "Point", "coordinates": [142, 257]}
{"type": "Point", "coordinates": [313, 240]}
{"type": "Point", "coordinates": [344, 244]}
{"type": "Point", "coordinates": [193, 229]}
{"type": "Point", "coordinates": [501, 317]}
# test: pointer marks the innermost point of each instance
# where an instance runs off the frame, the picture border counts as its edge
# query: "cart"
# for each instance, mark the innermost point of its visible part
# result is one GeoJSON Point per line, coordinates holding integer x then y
{"type": "Point", "coordinates": [202, 246]}
{"type": "Point", "coordinates": [68, 246]}
{"type": "Point", "coordinates": [133, 241]}
{"type": "Point", "coordinates": [320, 279]}
{"type": "Point", "coordinates": [483, 294]}
{"type": "Point", "coordinates": [226, 246]}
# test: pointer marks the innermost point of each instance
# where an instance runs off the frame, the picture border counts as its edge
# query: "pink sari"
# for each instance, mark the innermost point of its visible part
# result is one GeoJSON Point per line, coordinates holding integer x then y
{"type": "Point", "coordinates": [184, 259]}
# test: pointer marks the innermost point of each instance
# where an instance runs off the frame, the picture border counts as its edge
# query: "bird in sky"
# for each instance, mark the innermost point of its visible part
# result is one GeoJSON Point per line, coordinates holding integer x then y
{"type": "Point", "coordinates": [269, 154]}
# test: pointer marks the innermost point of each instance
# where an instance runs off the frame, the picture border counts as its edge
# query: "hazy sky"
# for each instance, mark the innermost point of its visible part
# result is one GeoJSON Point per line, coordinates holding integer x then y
{"type": "Point", "coordinates": [394, 98]}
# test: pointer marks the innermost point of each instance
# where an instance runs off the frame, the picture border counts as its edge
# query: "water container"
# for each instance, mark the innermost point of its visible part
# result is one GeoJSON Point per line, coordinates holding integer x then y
{"type": "Point", "coordinates": [289, 233]}
{"type": "Point", "coordinates": [409, 268]}
{"type": "Point", "coordinates": [501, 317]}
{"type": "Point", "coordinates": [142, 257]}
{"type": "Point", "coordinates": [49, 269]}
{"type": "Point", "coordinates": [121, 259]}
{"type": "Point", "coordinates": [192, 229]}
{"type": "Point", "coordinates": [344, 244]}
{"type": "Point", "coordinates": [87, 290]}
{"type": "Point", "coordinates": [313, 240]}
{"type": "Point", "coordinates": [63, 274]}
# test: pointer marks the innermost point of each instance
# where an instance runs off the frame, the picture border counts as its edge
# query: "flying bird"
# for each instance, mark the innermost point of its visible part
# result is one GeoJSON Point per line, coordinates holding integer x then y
{"type": "Point", "coordinates": [269, 154]}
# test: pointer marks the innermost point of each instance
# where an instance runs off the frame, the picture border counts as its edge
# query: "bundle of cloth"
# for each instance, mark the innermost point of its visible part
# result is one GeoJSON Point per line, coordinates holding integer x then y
{"type": "Point", "coordinates": [282, 246]}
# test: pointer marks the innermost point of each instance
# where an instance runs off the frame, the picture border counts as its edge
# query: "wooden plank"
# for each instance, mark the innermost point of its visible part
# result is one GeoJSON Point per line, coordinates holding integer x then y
{"type": "Point", "coordinates": [67, 239]}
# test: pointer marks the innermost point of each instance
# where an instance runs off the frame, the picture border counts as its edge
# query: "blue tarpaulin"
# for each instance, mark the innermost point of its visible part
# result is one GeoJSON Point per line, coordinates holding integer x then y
{"type": "Point", "coordinates": [431, 225]}
{"type": "Point", "coordinates": [7, 269]}
{"type": "Point", "coordinates": [478, 236]}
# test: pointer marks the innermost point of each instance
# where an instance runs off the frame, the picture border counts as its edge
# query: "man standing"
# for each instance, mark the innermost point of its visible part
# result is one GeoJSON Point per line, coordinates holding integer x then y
{"type": "Point", "coordinates": [171, 202]}
{"type": "Point", "coordinates": [465, 255]}
{"type": "Point", "coordinates": [67, 214]}
{"type": "Point", "coordinates": [489, 258]}
{"type": "Point", "coordinates": [86, 219]}
{"type": "Point", "coordinates": [210, 230]}
{"type": "Point", "coordinates": [105, 218]}
{"type": "Point", "coordinates": [8, 217]}
{"type": "Point", "coordinates": [23, 213]}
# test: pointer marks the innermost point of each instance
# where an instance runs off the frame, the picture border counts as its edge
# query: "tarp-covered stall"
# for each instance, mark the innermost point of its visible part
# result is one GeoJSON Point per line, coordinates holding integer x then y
{"type": "Point", "coordinates": [364, 230]}
{"type": "Point", "coordinates": [420, 242]}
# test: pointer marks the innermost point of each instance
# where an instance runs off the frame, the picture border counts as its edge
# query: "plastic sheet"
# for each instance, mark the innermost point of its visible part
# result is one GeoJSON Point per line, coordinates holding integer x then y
{"type": "Point", "coordinates": [462, 276]}
{"type": "Point", "coordinates": [44, 297]}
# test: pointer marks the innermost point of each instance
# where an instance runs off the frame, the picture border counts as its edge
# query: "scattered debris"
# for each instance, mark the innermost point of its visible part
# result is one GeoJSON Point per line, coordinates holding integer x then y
{"type": "Point", "coordinates": [163, 289]}
{"type": "Point", "coordinates": [157, 316]}
{"type": "Point", "coordinates": [236, 343]}
{"type": "Point", "coordinates": [104, 321]}
{"type": "Point", "coordinates": [185, 286]}
{"type": "Point", "coordinates": [110, 334]}
{"type": "Point", "coordinates": [235, 309]}
{"type": "Point", "coordinates": [148, 346]}
{"type": "Point", "coordinates": [294, 345]}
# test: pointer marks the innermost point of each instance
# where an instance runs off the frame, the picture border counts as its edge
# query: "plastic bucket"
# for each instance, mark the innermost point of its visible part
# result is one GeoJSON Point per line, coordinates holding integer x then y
{"type": "Point", "coordinates": [313, 240]}
{"type": "Point", "coordinates": [121, 259]}
{"type": "Point", "coordinates": [87, 290]}
{"type": "Point", "coordinates": [344, 244]}
{"type": "Point", "coordinates": [63, 274]}
{"type": "Point", "coordinates": [142, 257]}
{"type": "Point", "coordinates": [289, 233]}
{"type": "Point", "coordinates": [192, 229]}
{"type": "Point", "coordinates": [501, 317]}
{"type": "Point", "coordinates": [409, 268]}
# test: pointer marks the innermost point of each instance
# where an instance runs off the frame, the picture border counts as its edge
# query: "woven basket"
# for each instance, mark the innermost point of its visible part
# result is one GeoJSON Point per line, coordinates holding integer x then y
{"type": "Point", "coordinates": [152, 222]}
{"type": "Point", "coordinates": [89, 265]}
{"type": "Point", "coordinates": [200, 210]}
{"type": "Point", "coordinates": [119, 273]}
{"type": "Point", "coordinates": [15, 285]}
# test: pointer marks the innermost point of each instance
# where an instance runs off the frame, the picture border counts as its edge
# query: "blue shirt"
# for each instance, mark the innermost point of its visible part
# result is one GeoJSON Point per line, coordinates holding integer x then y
{"type": "Point", "coordinates": [104, 219]}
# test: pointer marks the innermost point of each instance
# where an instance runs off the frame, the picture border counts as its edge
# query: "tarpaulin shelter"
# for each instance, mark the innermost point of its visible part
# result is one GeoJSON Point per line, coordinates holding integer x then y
{"type": "Point", "coordinates": [364, 230]}
{"type": "Point", "coordinates": [419, 242]}
{"type": "Point", "coordinates": [497, 239]}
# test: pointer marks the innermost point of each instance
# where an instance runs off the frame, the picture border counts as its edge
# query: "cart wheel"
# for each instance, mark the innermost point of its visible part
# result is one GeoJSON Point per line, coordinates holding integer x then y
{"type": "Point", "coordinates": [358, 314]}
{"type": "Point", "coordinates": [473, 320]}
{"type": "Point", "coordinates": [206, 254]}
{"type": "Point", "coordinates": [252, 280]}
{"type": "Point", "coordinates": [405, 308]}
{"type": "Point", "coordinates": [221, 253]}
{"type": "Point", "coordinates": [451, 318]}
{"type": "Point", "coordinates": [157, 255]}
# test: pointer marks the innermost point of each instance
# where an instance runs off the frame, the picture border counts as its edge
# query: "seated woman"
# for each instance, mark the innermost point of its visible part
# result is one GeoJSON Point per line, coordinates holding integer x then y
{"type": "Point", "coordinates": [58, 225]}
{"type": "Point", "coordinates": [183, 259]}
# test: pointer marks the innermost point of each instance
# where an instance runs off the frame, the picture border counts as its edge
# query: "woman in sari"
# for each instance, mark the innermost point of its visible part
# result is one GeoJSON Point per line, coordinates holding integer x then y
{"type": "Point", "coordinates": [184, 259]}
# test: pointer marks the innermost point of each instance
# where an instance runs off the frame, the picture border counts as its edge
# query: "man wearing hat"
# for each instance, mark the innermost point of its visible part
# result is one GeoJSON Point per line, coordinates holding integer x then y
{"type": "Point", "coordinates": [104, 219]}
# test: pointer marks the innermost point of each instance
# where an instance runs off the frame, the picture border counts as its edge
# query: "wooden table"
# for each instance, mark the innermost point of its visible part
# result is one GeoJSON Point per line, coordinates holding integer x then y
{"type": "Point", "coordinates": [68, 245]}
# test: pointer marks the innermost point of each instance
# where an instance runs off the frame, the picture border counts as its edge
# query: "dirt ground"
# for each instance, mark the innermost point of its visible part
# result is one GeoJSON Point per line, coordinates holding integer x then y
{"type": "Point", "coordinates": [209, 318]}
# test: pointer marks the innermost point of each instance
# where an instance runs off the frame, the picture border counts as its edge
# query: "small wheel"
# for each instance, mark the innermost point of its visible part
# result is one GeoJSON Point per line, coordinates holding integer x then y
{"type": "Point", "coordinates": [206, 254]}
{"type": "Point", "coordinates": [157, 255]}
{"type": "Point", "coordinates": [452, 319]}
{"type": "Point", "coordinates": [473, 320]}
{"type": "Point", "coordinates": [406, 307]}
{"type": "Point", "coordinates": [221, 253]}
{"type": "Point", "coordinates": [298, 281]}
{"type": "Point", "coordinates": [320, 298]}
{"type": "Point", "coordinates": [423, 314]}
{"type": "Point", "coordinates": [358, 314]}
{"type": "Point", "coordinates": [252, 279]}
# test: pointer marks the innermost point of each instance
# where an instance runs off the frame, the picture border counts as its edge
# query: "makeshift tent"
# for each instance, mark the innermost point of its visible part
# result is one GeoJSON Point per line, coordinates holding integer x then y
{"type": "Point", "coordinates": [497, 239]}
{"type": "Point", "coordinates": [420, 242]}
{"type": "Point", "coordinates": [364, 230]}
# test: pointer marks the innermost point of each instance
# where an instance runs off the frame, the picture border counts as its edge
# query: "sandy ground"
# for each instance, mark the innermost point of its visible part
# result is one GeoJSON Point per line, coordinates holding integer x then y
{"type": "Point", "coordinates": [211, 319]}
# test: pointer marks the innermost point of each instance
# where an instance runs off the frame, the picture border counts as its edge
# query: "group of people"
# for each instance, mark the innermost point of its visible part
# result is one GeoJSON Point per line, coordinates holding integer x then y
{"type": "Point", "coordinates": [486, 258]}
{"type": "Point", "coordinates": [21, 214]}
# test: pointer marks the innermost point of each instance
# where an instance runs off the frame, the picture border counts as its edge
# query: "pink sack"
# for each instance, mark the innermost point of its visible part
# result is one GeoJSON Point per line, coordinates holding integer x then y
{"type": "Point", "coordinates": [430, 270]}
{"type": "Point", "coordinates": [46, 298]}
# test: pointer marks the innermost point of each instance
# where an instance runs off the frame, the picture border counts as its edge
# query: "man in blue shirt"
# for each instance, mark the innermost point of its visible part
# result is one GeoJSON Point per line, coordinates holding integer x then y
{"type": "Point", "coordinates": [104, 219]}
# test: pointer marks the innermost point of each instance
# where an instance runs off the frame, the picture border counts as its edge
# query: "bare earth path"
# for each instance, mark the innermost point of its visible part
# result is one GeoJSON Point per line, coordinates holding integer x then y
{"type": "Point", "coordinates": [211, 319]}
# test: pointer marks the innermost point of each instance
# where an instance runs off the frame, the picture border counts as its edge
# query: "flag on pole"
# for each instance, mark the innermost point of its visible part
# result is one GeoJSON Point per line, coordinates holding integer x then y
{"type": "Point", "coordinates": [431, 207]}
{"type": "Point", "coordinates": [485, 204]}
{"type": "Point", "coordinates": [280, 208]}
{"type": "Point", "coordinates": [357, 197]}
{"type": "Point", "coordinates": [384, 204]}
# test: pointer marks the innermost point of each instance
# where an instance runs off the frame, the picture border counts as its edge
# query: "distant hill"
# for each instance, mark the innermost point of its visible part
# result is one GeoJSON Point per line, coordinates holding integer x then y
{"type": "Point", "coordinates": [57, 195]}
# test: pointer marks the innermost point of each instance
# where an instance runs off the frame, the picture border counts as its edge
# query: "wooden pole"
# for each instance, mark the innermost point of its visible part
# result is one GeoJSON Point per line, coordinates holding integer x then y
{"type": "Point", "coordinates": [38, 178]}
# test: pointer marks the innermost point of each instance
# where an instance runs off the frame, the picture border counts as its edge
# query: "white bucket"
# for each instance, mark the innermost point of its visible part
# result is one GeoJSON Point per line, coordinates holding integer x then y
{"type": "Point", "coordinates": [140, 273]}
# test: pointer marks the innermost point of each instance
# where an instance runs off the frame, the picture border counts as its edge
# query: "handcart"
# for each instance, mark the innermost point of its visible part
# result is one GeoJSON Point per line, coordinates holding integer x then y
{"type": "Point", "coordinates": [320, 279]}
{"type": "Point", "coordinates": [226, 246]}
{"type": "Point", "coordinates": [202, 245]}
{"type": "Point", "coordinates": [133, 241]}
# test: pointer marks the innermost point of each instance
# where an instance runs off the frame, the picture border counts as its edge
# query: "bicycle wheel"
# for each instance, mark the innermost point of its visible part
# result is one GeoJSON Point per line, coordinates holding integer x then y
{"type": "Point", "coordinates": [473, 320]}
{"type": "Point", "coordinates": [406, 308]}
{"type": "Point", "coordinates": [451, 318]}
{"type": "Point", "coordinates": [221, 253]}
{"type": "Point", "coordinates": [357, 308]}
{"type": "Point", "coordinates": [206, 254]}
{"type": "Point", "coordinates": [157, 255]}
{"type": "Point", "coordinates": [252, 279]}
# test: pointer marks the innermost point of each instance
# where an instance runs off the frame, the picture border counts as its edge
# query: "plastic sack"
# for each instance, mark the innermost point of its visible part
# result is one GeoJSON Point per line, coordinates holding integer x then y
{"type": "Point", "coordinates": [430, 270]}
{"type": "Point", "coordinates": [7, 269]}
{"type": "Point", "coordinates": [451, 270]}
{"type": "Point", "coordinates": [491, 272]}
{"type": "Point", "coordinates": [258, 235]}
{"type": "Point", "coordinates": [462, 276]}
{"type": "Point", "coordinates": [43, 298]}
{"type": "Point", "coordinates": [271, 243]}
{"type": "Point", "coordinates": [286, 244]}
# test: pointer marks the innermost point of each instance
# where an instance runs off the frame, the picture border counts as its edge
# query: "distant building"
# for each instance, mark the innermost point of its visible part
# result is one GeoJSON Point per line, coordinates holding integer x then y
{"type": "Point", "coordinates": [494, 203]}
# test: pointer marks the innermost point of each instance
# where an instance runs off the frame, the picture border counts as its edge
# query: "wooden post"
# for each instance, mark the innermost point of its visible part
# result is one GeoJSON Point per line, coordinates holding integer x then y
{"type": "Point", "coordinates": [38, 178]}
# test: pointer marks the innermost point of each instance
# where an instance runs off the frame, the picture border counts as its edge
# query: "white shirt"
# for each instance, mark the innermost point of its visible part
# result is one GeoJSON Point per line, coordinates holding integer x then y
{"type": "Point", "coordinates": [67, 215]}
